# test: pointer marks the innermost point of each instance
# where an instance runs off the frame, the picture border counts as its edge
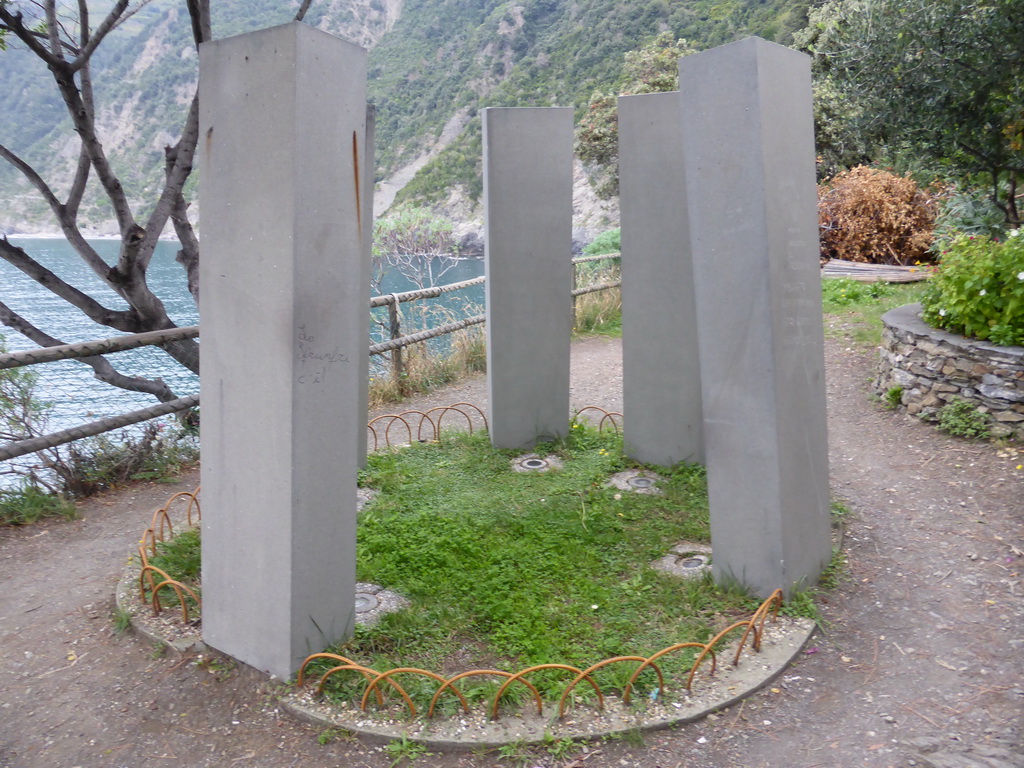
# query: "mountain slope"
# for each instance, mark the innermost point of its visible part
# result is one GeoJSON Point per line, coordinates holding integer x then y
{"type": "Point", "coordinates": [433, 65]}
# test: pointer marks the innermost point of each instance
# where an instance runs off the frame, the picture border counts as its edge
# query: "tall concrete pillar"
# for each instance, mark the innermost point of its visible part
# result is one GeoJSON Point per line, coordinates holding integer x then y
{"type": "Point", "coordinates": [282, 123]}
{"type": "Point", "coordinates": [661, 389]}
{"type": "Point", "coordinates": [528, 263]}
{"type": "Point", "coordinates": [366, 208]}
{"type": "Point", "coordinates": [749, 153]}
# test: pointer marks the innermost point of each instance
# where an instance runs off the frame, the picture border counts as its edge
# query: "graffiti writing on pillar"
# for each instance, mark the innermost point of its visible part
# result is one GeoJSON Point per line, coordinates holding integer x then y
{"type": "Point", "coordinates": [315, 362]}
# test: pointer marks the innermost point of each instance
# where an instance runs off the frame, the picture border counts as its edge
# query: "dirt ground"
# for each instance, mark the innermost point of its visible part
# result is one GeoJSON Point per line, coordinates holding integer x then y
{"type": "Point", "coordinates": [921, 661]}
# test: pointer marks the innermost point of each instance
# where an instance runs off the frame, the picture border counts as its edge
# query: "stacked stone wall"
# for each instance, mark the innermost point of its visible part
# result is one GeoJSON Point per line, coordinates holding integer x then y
{"type": "Point", "coordinates": [934, 367]}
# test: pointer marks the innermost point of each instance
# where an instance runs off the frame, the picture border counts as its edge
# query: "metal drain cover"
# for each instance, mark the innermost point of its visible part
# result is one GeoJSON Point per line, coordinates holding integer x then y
{"type": "Point", "coordinates": [687, 559]}
{"type": "Point", "coordinates": [636, 481]}
{"type": "Point", "coordinates": [693, 561]}
{"type": "Point", "coordinates": [365, 602]}
{"type": "Point", "coordinates": [532, 462]}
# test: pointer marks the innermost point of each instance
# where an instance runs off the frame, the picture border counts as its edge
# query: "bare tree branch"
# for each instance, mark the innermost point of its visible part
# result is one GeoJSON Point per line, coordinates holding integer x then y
{"type": "Point", "coordinates": [302, 10]}
{"type": "Point", "coordinates": [199, 13]}
{"type": "Point", "coordinates": [112, 20]}
{"type": "Point", "coordinates": [122, 320]}
{"type": "Point", "coordinates": [78, 186]}
{"type": "Point", "coordinates": [53, 29]}
{"type": "Point", "coordinates": [128, 277]}
{"type": "Point", "coordinates": [188, 256]}
{"type": "Point", "coordinates": [83, 121]}
{"type": "Point", "coordinates": [180, 159]}
{"type": "Point", "coordinates": [34, 178]}
{"type": "Point", "coordinates": [102, 368]}
{"type": "Point", "coordinates": [84, 166]}
{"type": "Point", "coordinates": [14, 22]}
{"type": "Point", "coordinates": [65, 216]}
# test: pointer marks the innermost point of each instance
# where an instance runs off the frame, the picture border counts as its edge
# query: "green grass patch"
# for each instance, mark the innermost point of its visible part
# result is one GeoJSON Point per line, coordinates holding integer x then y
{"type": "Point", "coordinates": [507, 569]}
{"type": "Point", "coordinates": [180, 558]}
{"type": "Point", "coordinates": [853, 310]}
{"type": "Point", "coordinates": [28, 503]}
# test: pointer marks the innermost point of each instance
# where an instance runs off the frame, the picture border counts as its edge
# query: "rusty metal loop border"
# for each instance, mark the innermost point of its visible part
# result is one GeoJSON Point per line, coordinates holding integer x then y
{"type": "Point", "coordinates": [161, 525]}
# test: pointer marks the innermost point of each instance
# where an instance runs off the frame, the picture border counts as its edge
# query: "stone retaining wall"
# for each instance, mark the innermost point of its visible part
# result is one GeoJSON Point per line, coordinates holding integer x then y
{"type": "Point", "coordinates": [936, 367]}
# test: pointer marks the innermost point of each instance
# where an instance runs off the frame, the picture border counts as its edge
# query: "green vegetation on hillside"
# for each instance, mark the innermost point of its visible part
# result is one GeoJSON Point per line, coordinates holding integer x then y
{"type": "Point", "coordinates": [551, 53]}
{"type": "Point", "coordinates": [441, 58]}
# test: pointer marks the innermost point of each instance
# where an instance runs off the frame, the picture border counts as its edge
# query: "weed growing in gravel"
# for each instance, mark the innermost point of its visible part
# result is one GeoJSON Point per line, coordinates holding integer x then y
{"type": "Point", "coordinates": [122, 619]}
{"type": "Point", "coordinates": [330, 735]}
{"type": "Point", "coordinates": [403, 749]}
{"type": "Point", "coordinates": [221, 667]}
{"type": "Point", "coordinates": [894, 397]}
{"type": "Point", "coordinates": [561, 749]}
{"type": "Point", "coordinates": [515, 752]}
{"type": "Point", "coordinates": [634, 737]}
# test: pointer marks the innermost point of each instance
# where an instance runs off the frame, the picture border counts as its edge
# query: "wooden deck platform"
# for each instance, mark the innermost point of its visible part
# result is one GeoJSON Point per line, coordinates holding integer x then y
{"type": "Point", "coordinates": [871, 273]}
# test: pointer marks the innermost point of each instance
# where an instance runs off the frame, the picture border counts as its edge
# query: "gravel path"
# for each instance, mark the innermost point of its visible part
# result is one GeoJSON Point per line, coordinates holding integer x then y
{"type": "Point", "coordinates": [921, 661]}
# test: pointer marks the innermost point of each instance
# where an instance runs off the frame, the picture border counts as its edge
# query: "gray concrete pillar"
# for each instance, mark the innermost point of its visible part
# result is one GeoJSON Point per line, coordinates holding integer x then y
{"type": "Point", "coordinates": [366, 208]}
{"type": "Point", "coordinates": [527, 258]}
{"type": "Point", "coordinates": [661, 389]}
{"type": "Point", "coordinates": [282, 122]}
{"type": "Point", "coordinates": [749, 152]}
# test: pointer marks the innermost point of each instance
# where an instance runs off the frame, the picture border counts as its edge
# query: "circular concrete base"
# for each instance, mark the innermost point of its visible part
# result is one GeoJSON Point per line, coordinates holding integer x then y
{"type": "Point", "coordinates": [783, 640]}
{"type": "Point", "coordinates": [687, 560]}
{"type": "Point", "coordinates": [637, 481]}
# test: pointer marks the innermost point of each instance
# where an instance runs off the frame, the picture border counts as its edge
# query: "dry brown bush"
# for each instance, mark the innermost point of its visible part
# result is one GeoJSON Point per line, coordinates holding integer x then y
{"type": "Point", "coordinates": [874, 216]}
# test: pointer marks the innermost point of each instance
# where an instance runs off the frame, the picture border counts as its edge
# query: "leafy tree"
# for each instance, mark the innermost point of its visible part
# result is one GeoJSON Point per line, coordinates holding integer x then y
{"type": "Point", "coordinates": [839, 142]}
{"type": "Point", "coordinates": [940, 76]}
{"type": "Point", "coordinates": [653, 68]}
{"type": "Point", "coordinates": [416, 243]}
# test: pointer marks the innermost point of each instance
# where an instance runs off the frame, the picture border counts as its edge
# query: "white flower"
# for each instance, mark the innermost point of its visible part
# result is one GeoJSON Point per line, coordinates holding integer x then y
{"type": "Point", "coordinates": [1013, 233]}
{"type": "Point", "coordinates": [982, 292]}
{"type": "Point", "coordinates": [1020, 275]}
{"type": "Point", "coordinates": [942, 313]}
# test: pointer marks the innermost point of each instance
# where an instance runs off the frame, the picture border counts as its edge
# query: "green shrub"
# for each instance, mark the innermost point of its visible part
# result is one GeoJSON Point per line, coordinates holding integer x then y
{"type": "Point", "coordinates": [967, 213]}
{"type": "Point", "coordinates": [99, 463]}
{"type": "Point", "coordinates": [609, 241]}
{"type": "Point", "coordinates": [963, 419]}
{"type": "Point", "coordinates": [978, 290]}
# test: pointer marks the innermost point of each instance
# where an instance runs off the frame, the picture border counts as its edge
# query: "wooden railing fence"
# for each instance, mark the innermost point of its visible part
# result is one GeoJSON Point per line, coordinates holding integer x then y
{"type": "Point", "coordinates": [394, 344]}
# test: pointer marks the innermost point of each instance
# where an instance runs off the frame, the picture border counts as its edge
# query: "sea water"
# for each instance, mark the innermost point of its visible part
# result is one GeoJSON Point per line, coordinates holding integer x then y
{"type": "Point", "coordinates": [69, 386]}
